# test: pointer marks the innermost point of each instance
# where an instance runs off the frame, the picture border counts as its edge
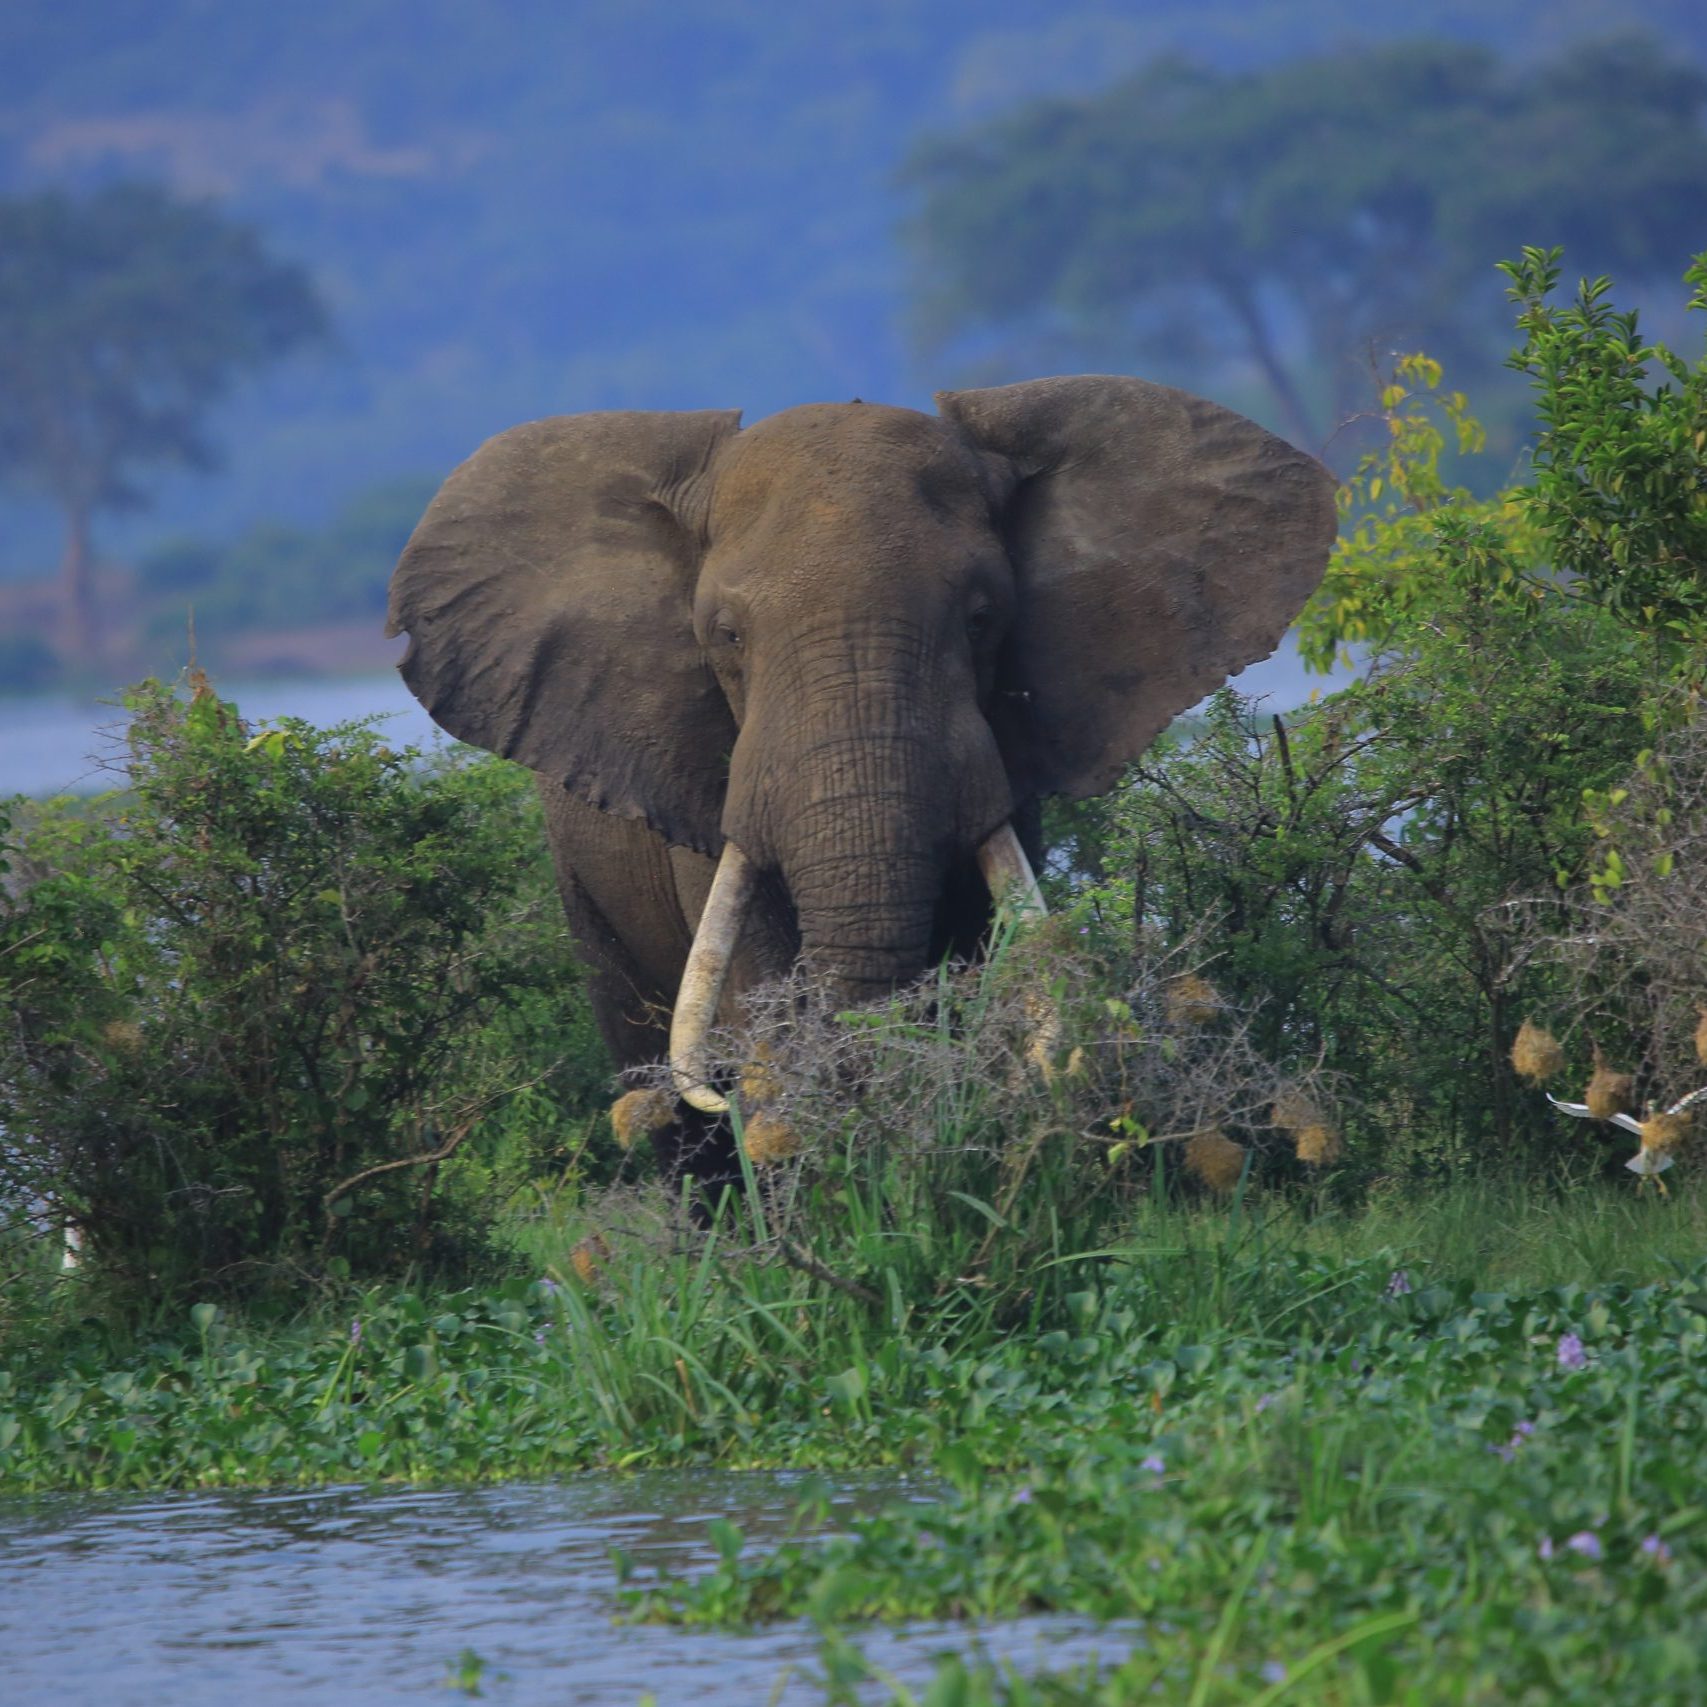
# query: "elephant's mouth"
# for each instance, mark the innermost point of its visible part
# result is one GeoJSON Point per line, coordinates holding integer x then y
{"type": "Point", "coordinates": [1001, 860]}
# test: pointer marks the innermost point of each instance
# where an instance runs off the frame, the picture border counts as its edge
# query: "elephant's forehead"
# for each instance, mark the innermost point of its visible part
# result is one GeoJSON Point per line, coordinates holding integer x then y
{"type": "Point", "coordinates": [839, 459]}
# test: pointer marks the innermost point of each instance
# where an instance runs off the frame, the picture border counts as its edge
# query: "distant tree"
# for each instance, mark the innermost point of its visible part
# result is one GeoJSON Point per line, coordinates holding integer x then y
{"type": "Point", "coordinates": [124, 317]}
{"type": "Point", "coordinates": [1293, 217]}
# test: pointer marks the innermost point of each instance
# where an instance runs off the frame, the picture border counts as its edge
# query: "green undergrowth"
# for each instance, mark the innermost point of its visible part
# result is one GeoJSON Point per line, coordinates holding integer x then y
{"type": "Point", "coordinates": [1449, 1493]}
{"type": "Point", "coordinates": [1446, 1449]}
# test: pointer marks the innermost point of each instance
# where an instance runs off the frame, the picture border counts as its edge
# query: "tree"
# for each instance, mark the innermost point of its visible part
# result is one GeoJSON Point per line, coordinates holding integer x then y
{"type": "Point", "coordinates": [1620, 489]}
{"type": "Point", "coordinates": [123, 318]}
{"type": "Point", "coordinates": [1292, 217]}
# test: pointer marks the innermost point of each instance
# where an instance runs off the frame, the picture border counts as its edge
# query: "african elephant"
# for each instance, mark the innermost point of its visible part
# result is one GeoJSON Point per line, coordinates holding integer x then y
{"type": "Point", "coordinates": [831, 658]}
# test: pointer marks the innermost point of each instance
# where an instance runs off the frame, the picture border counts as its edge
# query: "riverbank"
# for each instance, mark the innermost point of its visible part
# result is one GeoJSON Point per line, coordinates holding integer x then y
{"type": "Point", "coordinates": [1441, 1450]}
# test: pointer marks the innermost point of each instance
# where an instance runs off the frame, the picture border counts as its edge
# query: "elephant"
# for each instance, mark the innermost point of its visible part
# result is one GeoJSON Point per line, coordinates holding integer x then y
{"type": "Point", "coordinates": [794, 692]}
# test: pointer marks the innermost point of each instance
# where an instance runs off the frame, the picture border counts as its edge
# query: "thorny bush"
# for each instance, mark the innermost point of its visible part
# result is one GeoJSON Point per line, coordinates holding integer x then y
{"type": "Point", "coordinates": [959, 1139]}
{"type": "Point", "coordinates": [1631, 939]}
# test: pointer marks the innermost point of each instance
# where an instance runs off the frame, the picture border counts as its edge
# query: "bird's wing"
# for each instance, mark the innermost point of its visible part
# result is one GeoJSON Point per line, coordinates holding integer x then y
{"type": "Point", "coordinates": [1649, 1162]}
{"type": "Point", "coordinates": [1582, 1111]}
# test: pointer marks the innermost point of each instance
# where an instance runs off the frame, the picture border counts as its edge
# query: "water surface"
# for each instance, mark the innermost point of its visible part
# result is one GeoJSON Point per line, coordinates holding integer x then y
{"type": "Point", "coordinates": [54, 743]}
{"type": "Point", "coordinates": [370, 1595]}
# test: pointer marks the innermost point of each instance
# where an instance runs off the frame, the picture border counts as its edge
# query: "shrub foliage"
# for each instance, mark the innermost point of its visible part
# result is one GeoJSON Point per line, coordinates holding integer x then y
{"type": "Point", "coordinates": [257, 1007]}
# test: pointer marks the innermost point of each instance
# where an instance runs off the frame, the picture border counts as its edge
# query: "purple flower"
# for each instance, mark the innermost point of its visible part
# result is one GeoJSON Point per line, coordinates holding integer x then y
{"type": "Point", "coordinates": [1657, 1550]}
{"type": "Point", "coordinates": [1023, 1497]}
{"type": "Point", "coordinates": [1519, 1434]}
{"type": "Point", "coordinates": [1154, 1464]}
{"type": "Point", "coordinates": [1544, 1547]}
{"type": "Point", "coordinates": [539, 1336]}
{"type": "Point", "coordinates": [1571, 1353]}
{"type": "Point", "coordinates": [1585, 1542]}
{"type": "Point", "coordinates": [355, 1330]}
{"type": "Point", "coordinates": [1265, 1401]}
{"type": "Point", "coordinates": [1272, 1672]}
{"type": "Point", "coordinates": [549, 1286]}
{"type": "Point", "coordinates": [1399, 1284]}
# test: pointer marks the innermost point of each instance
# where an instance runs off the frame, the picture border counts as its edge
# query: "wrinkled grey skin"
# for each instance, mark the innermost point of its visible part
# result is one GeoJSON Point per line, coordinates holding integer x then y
{"type": "Point", "coordinates": [852, 639]}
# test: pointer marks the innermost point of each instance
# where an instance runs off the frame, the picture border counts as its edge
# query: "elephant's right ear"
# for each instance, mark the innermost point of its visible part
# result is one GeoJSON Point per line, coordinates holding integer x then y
{"type": "Point", "coordinates": [548, 599]}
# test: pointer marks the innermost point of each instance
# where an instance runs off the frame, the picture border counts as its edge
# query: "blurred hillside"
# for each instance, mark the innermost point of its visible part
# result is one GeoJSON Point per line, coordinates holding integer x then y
{"type": "Point", "coordinates": [526, 207]}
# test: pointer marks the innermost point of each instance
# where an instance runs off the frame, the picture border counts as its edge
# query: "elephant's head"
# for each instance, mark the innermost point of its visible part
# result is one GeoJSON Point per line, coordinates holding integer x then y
{"type": "Point", "coordinates": [850, 640]}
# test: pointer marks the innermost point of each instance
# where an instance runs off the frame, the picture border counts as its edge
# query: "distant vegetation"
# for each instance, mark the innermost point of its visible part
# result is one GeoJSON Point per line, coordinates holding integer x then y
{"type": "Point", "coordinates": [276, 576]}
{"type": "Point", "coordinates": [623, 203]}
{"type": "Point", "coordinates": [125, 316]}
{"type": "Point", "coordinates": [1301, 221]}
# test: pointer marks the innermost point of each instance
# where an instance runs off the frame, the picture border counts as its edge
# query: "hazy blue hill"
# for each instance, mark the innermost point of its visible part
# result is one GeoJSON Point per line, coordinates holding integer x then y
{"type": "Point", "coordinates": [524, 206]}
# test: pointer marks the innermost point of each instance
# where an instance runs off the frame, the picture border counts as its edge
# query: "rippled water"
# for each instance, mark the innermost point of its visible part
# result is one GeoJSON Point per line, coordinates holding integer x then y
{"type": "Point", "coordinates": [370, 1595]}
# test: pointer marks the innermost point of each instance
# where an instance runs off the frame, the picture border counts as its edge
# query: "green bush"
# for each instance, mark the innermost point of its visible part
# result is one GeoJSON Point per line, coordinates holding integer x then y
{"type": "Point", "coordinates": [267, 1012]}
{"type": "Point", "coordinates": [1377, 875]}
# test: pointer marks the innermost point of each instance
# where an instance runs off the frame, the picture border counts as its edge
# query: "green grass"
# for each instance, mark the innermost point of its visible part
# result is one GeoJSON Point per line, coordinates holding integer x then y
{"type": "Point", "coordinates": [1234, 1429]}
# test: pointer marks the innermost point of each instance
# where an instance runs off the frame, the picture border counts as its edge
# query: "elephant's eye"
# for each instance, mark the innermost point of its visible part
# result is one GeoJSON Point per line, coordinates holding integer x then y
{"type": "Point", "coordinates": [978, 623]}
{"type": "Point", "coordinates": [729, 635]}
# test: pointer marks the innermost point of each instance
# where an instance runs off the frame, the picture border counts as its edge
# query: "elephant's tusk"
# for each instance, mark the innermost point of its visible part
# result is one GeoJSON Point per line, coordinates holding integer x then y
{"type": "Point", "coordinates": [1013, 884]}
{"type": "Point", "coordinates": [1008, 873]}
{"type": "Point", "coordinates": [703, 978]}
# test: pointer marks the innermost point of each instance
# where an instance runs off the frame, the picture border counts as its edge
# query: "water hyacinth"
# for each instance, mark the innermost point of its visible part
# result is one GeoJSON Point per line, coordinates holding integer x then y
{"type": "Point", "coordinates": [1155, 1464]}
{"type": "Point", "coordinates": [1586, 1544]}
{"type": "Point", "coordinates": [1571, 1354]}
{"type": "Point", "coordinates": [1398, 1283]}
{"type": "Point", "coordinates": [1654, 1548]}
{"type": "Point", "coordinates": [1519, 1435]}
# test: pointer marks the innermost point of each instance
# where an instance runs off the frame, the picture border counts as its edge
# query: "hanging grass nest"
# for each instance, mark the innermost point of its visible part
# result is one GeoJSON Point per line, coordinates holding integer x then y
{"type": "Point", "coordinates": [1536, 1054]}
{"type": "Point", "coordinates": [768, 1140]}
{"type": "Point", "coordinates": [1318, 1144]}
{"type": "Point", "coordinates": [638, 1114]}
{"type": "Point", "coordinates": [759, 1083]}
{"type": "Point", "coordinates": [1664, 1132]}
{"type": "Point", "coordinates": [1315, 1139]}
{"type": "Point", "coordinates": [1214, 1158]}
{"type": "Point", "coordinates": [1609, 1093]}
{"type": "Point", "coordinates": [588, 1259]}
{"type": "Point", "coordinates": [1192, 1000]}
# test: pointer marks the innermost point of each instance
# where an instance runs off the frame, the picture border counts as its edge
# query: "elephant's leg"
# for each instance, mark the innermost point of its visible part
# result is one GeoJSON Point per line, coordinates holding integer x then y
{"type": "Point", "coordinates": [619, 890]}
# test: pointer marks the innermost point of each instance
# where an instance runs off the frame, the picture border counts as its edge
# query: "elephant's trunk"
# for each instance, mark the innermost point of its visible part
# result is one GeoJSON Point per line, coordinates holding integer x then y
{"type": "Point", "coordinates": [864, 853]}
{"type": "Point", "coordinates": [1001, 859]}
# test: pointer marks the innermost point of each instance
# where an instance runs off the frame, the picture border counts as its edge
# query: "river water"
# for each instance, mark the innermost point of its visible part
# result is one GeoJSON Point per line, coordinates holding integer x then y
{"type": "Point", "coordinates": [358, 1595]}
{"type": "Point", "coordinates": [54, 744]}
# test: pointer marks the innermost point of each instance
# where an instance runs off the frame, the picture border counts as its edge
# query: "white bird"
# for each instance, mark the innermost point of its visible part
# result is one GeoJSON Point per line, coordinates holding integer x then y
{"type": "Point", "coordinates": [1645, 1161]}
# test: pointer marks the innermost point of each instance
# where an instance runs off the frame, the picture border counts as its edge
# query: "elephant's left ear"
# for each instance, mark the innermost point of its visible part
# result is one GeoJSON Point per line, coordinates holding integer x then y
{"type": "Point", "coordinates": [1162, 543]}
